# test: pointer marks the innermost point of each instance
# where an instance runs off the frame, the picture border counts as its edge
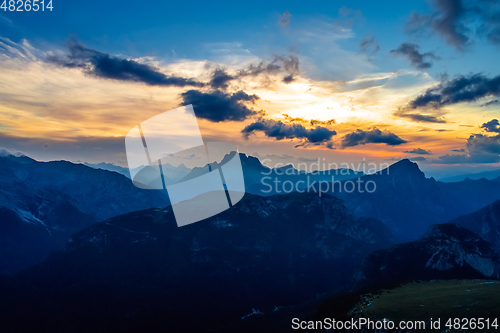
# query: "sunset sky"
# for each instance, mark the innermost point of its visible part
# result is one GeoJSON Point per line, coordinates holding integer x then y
{"type": "Point", "coordinates": [289, 81]}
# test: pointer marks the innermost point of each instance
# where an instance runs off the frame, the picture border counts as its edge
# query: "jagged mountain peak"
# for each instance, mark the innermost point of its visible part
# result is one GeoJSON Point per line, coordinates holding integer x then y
{"type": "Point", "coordinates": [405, 166]}
{"type": "Point", "coordinates": [250, 160]}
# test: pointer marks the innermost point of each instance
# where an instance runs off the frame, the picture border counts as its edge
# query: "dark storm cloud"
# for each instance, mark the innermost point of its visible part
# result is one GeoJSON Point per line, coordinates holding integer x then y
{"type": "Point", "coordinates": [280, 131]}
{"type": "Point", "coordinates": [460, 89]}
{"type": "Point", "coordinates": [288, 79]}
{"type": "Point", "coordinates": [418, 151]}
{"type": "Point", "coordinates": [103, 65]}
{"type": "Point", "coordinates": [219, 106]}
{"type": "Point", "coordinates": [417, 59]}
{"type": "Point", "coordinates": [220, 79]}
{"type": "Point", "coordinates": [360, 137]}
{"type": "Point", "coordinates": [287, 65]}
{"type": "Point", "coordinates": [491, 126]}
{"type": "Point", "coordinates": [457, 21]}
{"type": "Point", "coordinates": [420, 117]}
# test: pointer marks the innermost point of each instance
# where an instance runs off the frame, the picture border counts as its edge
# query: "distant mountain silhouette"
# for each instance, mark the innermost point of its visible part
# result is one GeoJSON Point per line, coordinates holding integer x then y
{"type": "Point", "coordinates": [43, 203]}
{"type": "Point", "coordinates": [485, 222]}
{"type": "Point", "coordinates": [175, 173]}
{"type": "Point", "coordinates": [140, 271]}
{"type": "Point", "coordinates": [59, 198]}
{"type": "Point", "coordinates": [268, 253]}
{"type": "Point", "coordinates": [408, 202]}
{"type": "Point", "coordinates": [446, 251]}
{"type": "Point", "coordinates": [109, 167]}
{"type": "Point", "coordinates": [261, 180]}
{"type": "Point", "coordinates": [490, 175]}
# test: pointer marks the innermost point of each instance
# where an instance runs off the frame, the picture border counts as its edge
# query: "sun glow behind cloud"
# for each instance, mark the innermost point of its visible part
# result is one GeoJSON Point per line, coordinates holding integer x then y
{"type": "Point", "coordinates": [46, 102]}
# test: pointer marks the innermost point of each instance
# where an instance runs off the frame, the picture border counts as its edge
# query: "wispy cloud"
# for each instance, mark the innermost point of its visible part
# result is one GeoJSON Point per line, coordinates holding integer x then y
{"type": "Point", "coordinates": [418, 151]}
{"type": "Point", "coordinates": [369, 45]}
{"type": "Point", "coordinates": [287, 66]}
{"type": "Point", "coordinates": [284, 18]}
{"type": "Point", "coordinates": [412, 53]}
{"type": "Point", "coordinates": [459, 21]}
{"type": "Point", "coordinates": [104, 65]}
{"type": "Point", "coordinates": [429, 117]}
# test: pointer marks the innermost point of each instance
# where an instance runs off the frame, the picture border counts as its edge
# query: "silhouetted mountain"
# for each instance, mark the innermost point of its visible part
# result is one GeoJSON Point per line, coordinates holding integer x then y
{"type": "Point", "coordinates": [485, 222]}
{"type": "Point", "coordinates": [259, 179]}
{"type": "Point", "coordinates": [109, 167]}
{"type": "Point", "coordinates": [139, 271]}
{"type": "Point", "coordinates": [408, 202]}
{"type": "Point", "coordinates": [446, 251]}
{"type": "Point", "coordinates": [264, 181]}
{"type": "Point", "coordinates": [490, 175]}
{"type": "Point", "coordinates": [175, 173]}
{"type": "Point", "coordinates": [43, 203]}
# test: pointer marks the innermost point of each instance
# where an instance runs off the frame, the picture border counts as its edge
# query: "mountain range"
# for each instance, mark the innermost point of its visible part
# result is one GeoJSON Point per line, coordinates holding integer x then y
{"type": "Point", "coordinates": [43, 203]}
{"type": "Point", "coordinates": [262, 256]}
{"type": "Point", "coordinates": [490, 175]}
{"type": "Point", "coordinates": [100, 254]}
{"type": "Point", "coordinates": [408, 202]}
